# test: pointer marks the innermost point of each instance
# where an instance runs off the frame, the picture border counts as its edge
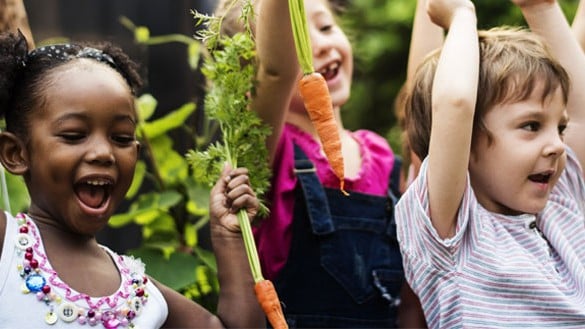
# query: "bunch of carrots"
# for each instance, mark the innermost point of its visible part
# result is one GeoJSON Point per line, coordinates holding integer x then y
{"type": "Point", "coordinates": [315, 93]}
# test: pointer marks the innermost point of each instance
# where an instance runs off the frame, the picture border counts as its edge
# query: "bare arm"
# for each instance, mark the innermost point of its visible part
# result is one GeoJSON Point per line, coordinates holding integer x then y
{"type": "Point", "coordinates": [426, 36]}
{"type": "Point", "coordinates": [453, 101]}
{"type": "Point", "coordinates": [278, 68]}
{"type": "Point", "coordinates": [546, 18]}
{"type": "Point", "coordinates": [579, 24]}
{"type": "Point", "coordinates": [237, 306]}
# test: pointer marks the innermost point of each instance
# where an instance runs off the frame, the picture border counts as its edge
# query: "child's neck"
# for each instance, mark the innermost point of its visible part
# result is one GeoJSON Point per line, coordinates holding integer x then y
{"type": "Point", "coordinates": [78, 259]}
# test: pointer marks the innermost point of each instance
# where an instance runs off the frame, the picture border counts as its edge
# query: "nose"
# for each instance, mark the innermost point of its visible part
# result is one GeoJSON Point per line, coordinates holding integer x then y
{"type": "Point", "coordinates": [319, 42]}
{"type": "Point", "coordinates": [555, 145]}
{"type": "Point", "coordinates": [101, 152]}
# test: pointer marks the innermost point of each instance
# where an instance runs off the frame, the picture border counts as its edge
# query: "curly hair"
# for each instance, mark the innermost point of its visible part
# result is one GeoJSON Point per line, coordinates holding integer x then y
{"type": "Point", "coordinates": [24, 75]}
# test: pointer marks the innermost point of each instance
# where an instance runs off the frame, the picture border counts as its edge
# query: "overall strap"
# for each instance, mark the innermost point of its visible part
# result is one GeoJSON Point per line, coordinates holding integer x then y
{"type": "Point", "coordinates": [393, 195]}
{"type": "Point", "coordinates": [314, 193]}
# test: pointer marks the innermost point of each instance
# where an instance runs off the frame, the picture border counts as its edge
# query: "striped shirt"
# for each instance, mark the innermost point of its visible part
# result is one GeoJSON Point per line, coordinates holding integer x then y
{"type": "Point", "coordinates": [498, 270]}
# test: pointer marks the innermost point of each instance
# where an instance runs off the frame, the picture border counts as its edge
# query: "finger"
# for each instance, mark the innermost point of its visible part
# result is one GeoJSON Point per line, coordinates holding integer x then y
{"type": "Point", "coordinates": [246, 201]}
{"type": "Point", "coordinates": [237, 180]}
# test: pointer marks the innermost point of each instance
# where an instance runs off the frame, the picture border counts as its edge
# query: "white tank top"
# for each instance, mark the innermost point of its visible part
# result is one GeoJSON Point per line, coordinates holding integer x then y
{"type": "Point", "coordinates": [62, 306]}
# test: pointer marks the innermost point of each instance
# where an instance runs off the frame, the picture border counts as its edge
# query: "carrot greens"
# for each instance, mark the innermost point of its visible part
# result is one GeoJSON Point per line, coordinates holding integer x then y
{"type": "Point", "coordinates": [230, 70]}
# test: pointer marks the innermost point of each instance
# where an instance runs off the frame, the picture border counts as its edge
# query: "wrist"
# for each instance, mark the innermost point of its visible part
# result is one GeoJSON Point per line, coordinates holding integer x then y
{"type": "Point", "coordinates": [223, 234]}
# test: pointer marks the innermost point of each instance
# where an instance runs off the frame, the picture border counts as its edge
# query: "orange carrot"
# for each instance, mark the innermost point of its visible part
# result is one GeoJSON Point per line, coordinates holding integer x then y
{"type": "Point", "coordinates": [268, 299]}
{"type": "Point", "coordinates": [315, 93]}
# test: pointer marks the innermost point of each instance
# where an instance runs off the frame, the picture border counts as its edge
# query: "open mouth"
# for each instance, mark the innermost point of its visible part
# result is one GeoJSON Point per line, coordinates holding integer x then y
{"type": "Point", "coordinates": [93, 193]}
{"type": "Point", "coordinates": [543, 178]}
{"type": "Point", "coordinates": [330, 71]}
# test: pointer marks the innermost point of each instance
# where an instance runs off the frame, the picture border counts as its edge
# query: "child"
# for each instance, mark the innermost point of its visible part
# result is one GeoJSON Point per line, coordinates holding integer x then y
{"type": "Point", "coordinates": [334, 259]}
{"type": "Point", "coordinates": [70, 132]}
{"type": "Point", "coordinates": [491, 230]}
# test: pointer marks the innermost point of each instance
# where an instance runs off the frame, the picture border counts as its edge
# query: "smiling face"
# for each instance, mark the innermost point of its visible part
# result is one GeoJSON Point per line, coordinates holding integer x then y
{"type": "Point", "coordinates": [516, 171]}
{"type": "Point", "coordinates": [332, 54]}
{"type": "Point", "coordinates": [81, 150]}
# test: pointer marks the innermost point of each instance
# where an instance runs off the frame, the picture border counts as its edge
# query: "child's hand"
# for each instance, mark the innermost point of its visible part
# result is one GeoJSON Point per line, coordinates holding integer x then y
{"type": "Point", "coordinates": [231, 192]}
{"type": "Point", "coordinates": [441, 12]}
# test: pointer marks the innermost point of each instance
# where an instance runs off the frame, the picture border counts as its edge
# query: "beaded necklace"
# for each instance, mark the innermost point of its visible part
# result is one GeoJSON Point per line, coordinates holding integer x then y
{"type": "Point", "coordinates": [40, 279]}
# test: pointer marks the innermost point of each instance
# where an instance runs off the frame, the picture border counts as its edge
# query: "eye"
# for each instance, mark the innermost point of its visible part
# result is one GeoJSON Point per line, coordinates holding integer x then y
{"type": "Point", "coordinates": [562, 128]}
{"type": "Point", "coordinates": [531, 126]}
{"type": "Point", "coordinates": [72, 136]}
{"type": "Point", "coordinates": [326, 28]}
{"type": "Point", "coordinates": [124, 140]}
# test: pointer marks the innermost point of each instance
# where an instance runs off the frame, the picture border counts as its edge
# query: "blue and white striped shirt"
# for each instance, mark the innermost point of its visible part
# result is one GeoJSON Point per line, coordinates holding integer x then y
{"type": "Point", "coordinates": [498, 271]}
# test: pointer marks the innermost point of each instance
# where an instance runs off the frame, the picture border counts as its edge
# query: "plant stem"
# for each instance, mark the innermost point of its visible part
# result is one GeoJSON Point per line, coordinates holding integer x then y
{"type": "Point", "coordinates": [300, 31]}
{"type": "Point", "coordinates": [250, 245]}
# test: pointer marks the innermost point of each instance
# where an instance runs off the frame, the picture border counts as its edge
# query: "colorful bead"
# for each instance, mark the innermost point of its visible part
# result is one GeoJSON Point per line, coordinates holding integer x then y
{"type": "Point", "coordinates": [35, 282]}
{"type": "Point", "coordinates": [34, 271]}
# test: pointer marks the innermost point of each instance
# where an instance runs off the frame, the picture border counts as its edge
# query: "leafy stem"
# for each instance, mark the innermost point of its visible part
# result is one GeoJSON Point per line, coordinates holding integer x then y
{"type": "Point", "coordinates": [230, 69]}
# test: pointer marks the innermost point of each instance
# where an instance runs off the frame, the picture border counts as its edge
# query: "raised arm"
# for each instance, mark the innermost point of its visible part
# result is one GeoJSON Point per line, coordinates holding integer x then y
{"type": "Point", "coordinates": [453, 104]}
{"type": "Point", "coordinates": [579, 24]}
{"type": "Point", "coordinates": [426, 36]}
{"type": "Point", "coordinates": [278, 68]}
{"type": "Point", "coordinates": [546, 18]}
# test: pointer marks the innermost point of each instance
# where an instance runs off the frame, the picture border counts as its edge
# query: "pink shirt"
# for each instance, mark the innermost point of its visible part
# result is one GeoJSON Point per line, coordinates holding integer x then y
{"type": "Point", "coordinates": [273, 236]}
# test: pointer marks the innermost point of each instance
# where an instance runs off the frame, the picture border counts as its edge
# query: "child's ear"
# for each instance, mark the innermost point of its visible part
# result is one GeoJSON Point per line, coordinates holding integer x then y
{"type": "Point", "coordinates": [13, 154]}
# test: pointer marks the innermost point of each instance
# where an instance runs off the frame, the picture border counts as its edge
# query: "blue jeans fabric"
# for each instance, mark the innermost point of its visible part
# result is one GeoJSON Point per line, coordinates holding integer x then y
{"type": "Point", "coordinates": [344, 268]}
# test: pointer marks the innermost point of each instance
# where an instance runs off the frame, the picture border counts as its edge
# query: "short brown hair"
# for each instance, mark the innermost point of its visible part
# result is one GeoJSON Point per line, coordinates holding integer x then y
{"type": "Point", "coordinates": [512, 61]}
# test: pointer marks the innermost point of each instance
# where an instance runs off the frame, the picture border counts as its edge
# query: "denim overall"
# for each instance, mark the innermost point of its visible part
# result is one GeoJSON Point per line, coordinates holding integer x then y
{"type": "Point", "coordinates": [344, 268]}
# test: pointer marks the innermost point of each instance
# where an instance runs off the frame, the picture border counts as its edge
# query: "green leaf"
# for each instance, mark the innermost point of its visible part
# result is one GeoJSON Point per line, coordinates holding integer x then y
{"type": "Point", "coordinates": [193, 54]}
{"type": "Point", "coordinates": [172, 166]}
{"type": "Point", "coordinates": [175, 272]}
{"type": "Point", "coordinates": [147, 208]}
{"type": "Point", "coordinates": [120, 220]}
{"type": "Point", "coordinates": [146, 217]}
{"type": "Point", "coordinates": [161, 228]}
{"type": "Point", "coordinates": [139, 174]}
{"type": "Point", "coordinates": [190, 235]}
{"type": "Point", "coordinates": [170, 121]}
{"type": "Point", "coordinates": [198, 196]}
{"type": "Point", "coordinates": [206, 257]}
{"type": "Point", "coordinates": [146, 105]}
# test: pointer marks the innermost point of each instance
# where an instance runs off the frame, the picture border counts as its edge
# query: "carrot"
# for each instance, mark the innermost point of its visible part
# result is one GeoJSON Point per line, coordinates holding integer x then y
{"type": "Point", "coordinates": [268, 299]}
{"type": "Point", "coordinates": [315, 93]}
